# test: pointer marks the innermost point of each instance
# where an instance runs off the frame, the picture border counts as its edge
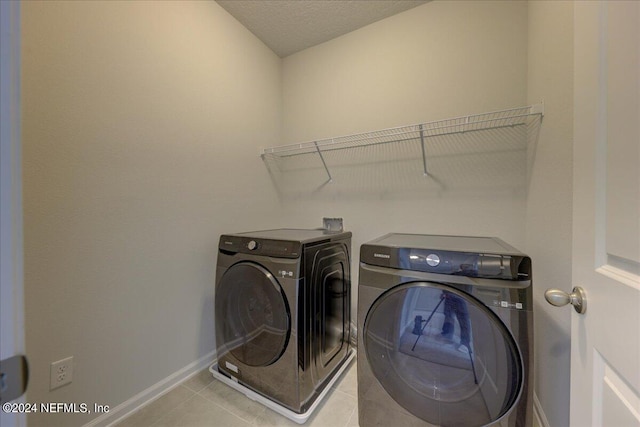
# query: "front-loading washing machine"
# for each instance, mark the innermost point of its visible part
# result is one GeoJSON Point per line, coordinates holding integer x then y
{"type": "Point", "coordinates": [445, 332]}
{"type": "Point", "coordinates": [282, 312]}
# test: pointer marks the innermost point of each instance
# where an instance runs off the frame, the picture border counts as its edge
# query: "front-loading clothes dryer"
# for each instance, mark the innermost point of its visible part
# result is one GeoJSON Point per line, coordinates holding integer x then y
{"type": "Point", "coordinates": [445, 332]}
{"type": "Point", "coordinates": [282, 311]}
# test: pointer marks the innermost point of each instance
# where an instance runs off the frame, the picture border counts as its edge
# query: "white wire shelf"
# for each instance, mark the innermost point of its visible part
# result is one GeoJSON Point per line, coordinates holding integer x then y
{"type": "Point", "coordinates": [418, 132]}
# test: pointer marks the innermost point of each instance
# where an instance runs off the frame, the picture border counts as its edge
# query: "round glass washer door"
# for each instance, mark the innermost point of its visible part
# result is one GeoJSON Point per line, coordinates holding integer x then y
{"type": "Point", "coordinates": [252, 315]}
{"type": "Point", "coordinates": [442, 355]}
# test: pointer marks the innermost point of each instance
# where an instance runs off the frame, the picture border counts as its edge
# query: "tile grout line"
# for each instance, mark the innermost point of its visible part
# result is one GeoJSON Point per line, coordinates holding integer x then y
{"type": "Point", "coordinates": [195, 393]}
{"type": "Point", "coordinates": [222, 407]}
{"type": "Point", "coordinates": [354, 411]}
{"type": "Point", "coordinates": [176, 407]}
{"type": "Point", "coordinates": [263, 409]}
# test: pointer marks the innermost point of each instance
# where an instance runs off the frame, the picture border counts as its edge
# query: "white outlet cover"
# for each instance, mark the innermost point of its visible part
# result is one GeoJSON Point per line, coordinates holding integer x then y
{"type": "Point", "coordinates": [61, 373]}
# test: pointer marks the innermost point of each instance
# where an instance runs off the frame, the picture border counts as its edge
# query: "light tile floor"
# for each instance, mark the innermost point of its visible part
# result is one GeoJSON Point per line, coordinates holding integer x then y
{"type": "Point", "coordinates": [204, 401]}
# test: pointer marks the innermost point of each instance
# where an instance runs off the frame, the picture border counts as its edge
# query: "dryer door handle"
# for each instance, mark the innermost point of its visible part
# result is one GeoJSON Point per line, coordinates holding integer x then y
{"type": "Point", "coordinates": [577, 298]}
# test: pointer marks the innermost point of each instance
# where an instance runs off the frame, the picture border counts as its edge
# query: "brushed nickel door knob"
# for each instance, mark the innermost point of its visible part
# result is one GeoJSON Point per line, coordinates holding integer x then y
{"type": "Point", "coordinates": [577, 298]}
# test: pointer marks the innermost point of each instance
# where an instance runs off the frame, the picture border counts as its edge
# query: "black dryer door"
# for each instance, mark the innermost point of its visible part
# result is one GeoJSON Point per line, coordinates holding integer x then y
{"type": "Point", "coordinates": [442, 355]}
{"type": "Point", "coordinates": [253, 321]}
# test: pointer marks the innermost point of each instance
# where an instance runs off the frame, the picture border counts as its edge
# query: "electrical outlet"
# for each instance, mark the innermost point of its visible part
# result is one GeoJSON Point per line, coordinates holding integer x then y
{"type": "Point", "coordinates": [61, 373]}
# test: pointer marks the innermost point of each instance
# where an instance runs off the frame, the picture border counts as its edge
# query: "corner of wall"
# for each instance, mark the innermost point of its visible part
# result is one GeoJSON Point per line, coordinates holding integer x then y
{"type": "Point", "coordinates": [550, 78]}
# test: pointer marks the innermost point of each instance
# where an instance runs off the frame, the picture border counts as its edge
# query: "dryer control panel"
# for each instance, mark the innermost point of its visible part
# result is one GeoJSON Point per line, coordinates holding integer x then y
{"type": "Point", "coordinates": [263, 247]}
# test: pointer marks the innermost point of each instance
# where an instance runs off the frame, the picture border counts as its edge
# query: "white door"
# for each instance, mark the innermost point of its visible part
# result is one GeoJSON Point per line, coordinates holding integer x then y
{"type": "Point", "coordinates": [605, 341]}
{"type": "Point", "coordinates": [11, 294]}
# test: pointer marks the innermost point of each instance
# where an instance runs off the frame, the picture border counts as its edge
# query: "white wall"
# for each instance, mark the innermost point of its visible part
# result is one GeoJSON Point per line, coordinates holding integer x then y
{"type": "Point", "coordinates": [141, 127]}
{"type": "Point", "coordinates": [436, 61]}
{"type": "Point", "coordinates": [549, 203]}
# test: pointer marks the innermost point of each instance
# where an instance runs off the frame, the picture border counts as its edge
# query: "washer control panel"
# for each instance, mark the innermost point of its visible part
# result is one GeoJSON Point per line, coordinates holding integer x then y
{"type": "Point", "coordinates": [471, 264]}
{"type": "Point", "coordinates": [466, 264]}
{"type": "Point", "coordinates": [433, 260]}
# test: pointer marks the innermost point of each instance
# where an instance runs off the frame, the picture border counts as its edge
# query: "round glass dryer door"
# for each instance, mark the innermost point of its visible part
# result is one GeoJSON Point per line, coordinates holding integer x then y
{"type": "Point", "coordinates": [442, 355]}
{"type": "Point", "coordinates": [252, 314]}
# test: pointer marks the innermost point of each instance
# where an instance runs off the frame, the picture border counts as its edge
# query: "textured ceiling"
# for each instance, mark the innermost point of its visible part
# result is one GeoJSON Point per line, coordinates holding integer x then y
{"type": "Point", "coordinates": [289, 26]}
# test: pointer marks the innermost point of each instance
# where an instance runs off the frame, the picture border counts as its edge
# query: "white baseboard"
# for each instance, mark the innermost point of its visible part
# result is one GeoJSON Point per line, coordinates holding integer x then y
{"type": "Point", "coordinates": [152, 393]}
{"type": "Point", "coordinates": [540, 419]}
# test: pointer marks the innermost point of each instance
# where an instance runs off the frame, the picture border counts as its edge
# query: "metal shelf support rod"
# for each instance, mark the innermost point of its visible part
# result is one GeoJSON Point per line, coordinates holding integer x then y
{"type": "Point", "coordinates": [424, 153]}
{"type": "Point", "coordinates": [323, 162]}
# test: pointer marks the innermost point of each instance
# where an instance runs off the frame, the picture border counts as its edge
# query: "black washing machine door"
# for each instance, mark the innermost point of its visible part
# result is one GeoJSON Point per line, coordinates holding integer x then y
{"type": "Point", "coordinates": [253, 321]}
{"type": "Point", "coordinates": [442, 355]}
